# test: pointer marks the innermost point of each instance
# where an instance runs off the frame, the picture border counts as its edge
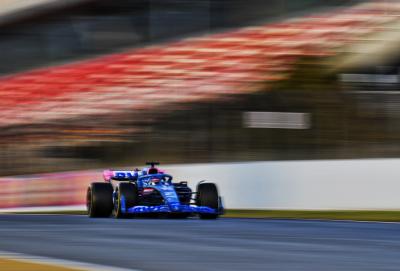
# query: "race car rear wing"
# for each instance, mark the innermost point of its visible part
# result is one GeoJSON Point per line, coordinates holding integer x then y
{"type": "Point", "coordinates": [120, 175]}
{"type": "Point", "coordinates": [152, 164]}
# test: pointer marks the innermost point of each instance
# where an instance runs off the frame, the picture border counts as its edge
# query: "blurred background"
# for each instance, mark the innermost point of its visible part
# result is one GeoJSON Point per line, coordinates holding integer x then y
{"type": "Point", "coordinates": [284, 104]}
{"type": "Point", "coordinates": [98, 83]}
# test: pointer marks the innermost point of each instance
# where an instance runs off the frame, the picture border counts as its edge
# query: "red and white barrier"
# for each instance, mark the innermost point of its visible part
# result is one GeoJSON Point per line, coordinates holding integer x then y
{"type": "Point", "coordinates": [67, 189]}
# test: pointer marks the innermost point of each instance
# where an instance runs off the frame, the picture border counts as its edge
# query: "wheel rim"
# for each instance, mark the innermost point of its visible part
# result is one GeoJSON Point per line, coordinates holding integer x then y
{"type": "Point", "coordinates": [116, 203]}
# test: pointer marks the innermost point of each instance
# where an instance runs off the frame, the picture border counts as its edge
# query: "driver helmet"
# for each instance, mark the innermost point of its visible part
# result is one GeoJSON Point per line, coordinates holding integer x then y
{"type": "Point", "coordinates": [155, 180]}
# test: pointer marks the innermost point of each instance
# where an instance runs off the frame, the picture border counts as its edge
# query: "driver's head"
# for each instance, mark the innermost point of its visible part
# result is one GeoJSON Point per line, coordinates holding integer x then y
{"type": "Point", "coordinates": [155, 180]}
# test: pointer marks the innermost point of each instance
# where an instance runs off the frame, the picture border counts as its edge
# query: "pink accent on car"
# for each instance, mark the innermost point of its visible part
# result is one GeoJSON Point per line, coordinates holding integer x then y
{"type": "Point", "coordinates": [107, 175]}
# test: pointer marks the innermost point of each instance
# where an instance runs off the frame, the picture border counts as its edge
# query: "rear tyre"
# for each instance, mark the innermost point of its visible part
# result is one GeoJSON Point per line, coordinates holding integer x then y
{"type": "Point", "coordinates": [99, 201]}
{"type": "Point", "coordinates": [130, 194]}
{"type": "Point", "coordinates": [207, 195]}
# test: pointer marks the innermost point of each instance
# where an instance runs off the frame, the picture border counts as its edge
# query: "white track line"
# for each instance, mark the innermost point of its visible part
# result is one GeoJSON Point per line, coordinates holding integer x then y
{"type": "Point", "coordinates": [59, 262]}
{"type": "Point", "coordinates": [44, 209]}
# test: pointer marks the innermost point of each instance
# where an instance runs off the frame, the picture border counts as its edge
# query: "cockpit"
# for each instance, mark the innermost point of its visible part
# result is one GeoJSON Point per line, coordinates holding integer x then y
{"type": "Point", "coordinates": [155, 180]}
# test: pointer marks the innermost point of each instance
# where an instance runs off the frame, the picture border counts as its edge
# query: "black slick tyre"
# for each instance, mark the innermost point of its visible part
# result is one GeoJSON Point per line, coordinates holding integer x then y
{"type": "Point", "coordinates": [207, 195]}
{"type": "Point", "coordinates": [99, 201]}
{"type": "Point", "coordinates": [130, 194]}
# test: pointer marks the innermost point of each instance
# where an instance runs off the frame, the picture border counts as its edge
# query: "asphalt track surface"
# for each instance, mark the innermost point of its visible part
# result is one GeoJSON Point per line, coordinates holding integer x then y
{"type": "Point", "coordinates": [194, 244]}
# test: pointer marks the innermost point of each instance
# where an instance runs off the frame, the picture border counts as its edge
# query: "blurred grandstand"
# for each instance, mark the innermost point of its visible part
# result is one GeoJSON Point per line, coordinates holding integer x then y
{"type": "Point", "coordinates": [143, 81]}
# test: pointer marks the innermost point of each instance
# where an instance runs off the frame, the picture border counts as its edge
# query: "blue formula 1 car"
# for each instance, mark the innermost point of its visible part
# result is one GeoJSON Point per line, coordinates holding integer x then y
{"type": "Point", "coordinates": [150, 192]}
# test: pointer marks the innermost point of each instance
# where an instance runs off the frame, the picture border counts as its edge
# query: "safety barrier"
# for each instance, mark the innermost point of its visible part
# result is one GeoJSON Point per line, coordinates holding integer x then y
{"type": "Point", "coordinates": [330, 184]}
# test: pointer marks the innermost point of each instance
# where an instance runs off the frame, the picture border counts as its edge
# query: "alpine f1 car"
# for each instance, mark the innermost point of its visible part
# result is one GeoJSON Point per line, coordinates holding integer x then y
{"type": "Point", "coordinates": [150, 192]}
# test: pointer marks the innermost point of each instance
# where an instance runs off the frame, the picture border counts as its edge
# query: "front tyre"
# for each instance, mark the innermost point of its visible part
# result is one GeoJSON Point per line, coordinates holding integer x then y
{"type": "Point", "coordinates": [129, 193]}
{"type": "Point", "coordinates": [99, 201]}
{"type": "Point", "coordinates": [207, 195]}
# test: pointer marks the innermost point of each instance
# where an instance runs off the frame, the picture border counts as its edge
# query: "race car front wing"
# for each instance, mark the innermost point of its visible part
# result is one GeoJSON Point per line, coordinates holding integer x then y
{"type": "Point", "coordinates": [172, 208]}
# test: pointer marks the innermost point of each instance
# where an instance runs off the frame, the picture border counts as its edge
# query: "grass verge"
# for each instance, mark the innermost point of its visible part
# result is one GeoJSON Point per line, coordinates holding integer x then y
{"type": "Point", "coordinates": [389, 216]}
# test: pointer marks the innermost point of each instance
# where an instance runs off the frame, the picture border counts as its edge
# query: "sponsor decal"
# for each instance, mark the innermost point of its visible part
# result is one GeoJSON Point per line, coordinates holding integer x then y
{"type": "Point", "coordinates": [125, 175]}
